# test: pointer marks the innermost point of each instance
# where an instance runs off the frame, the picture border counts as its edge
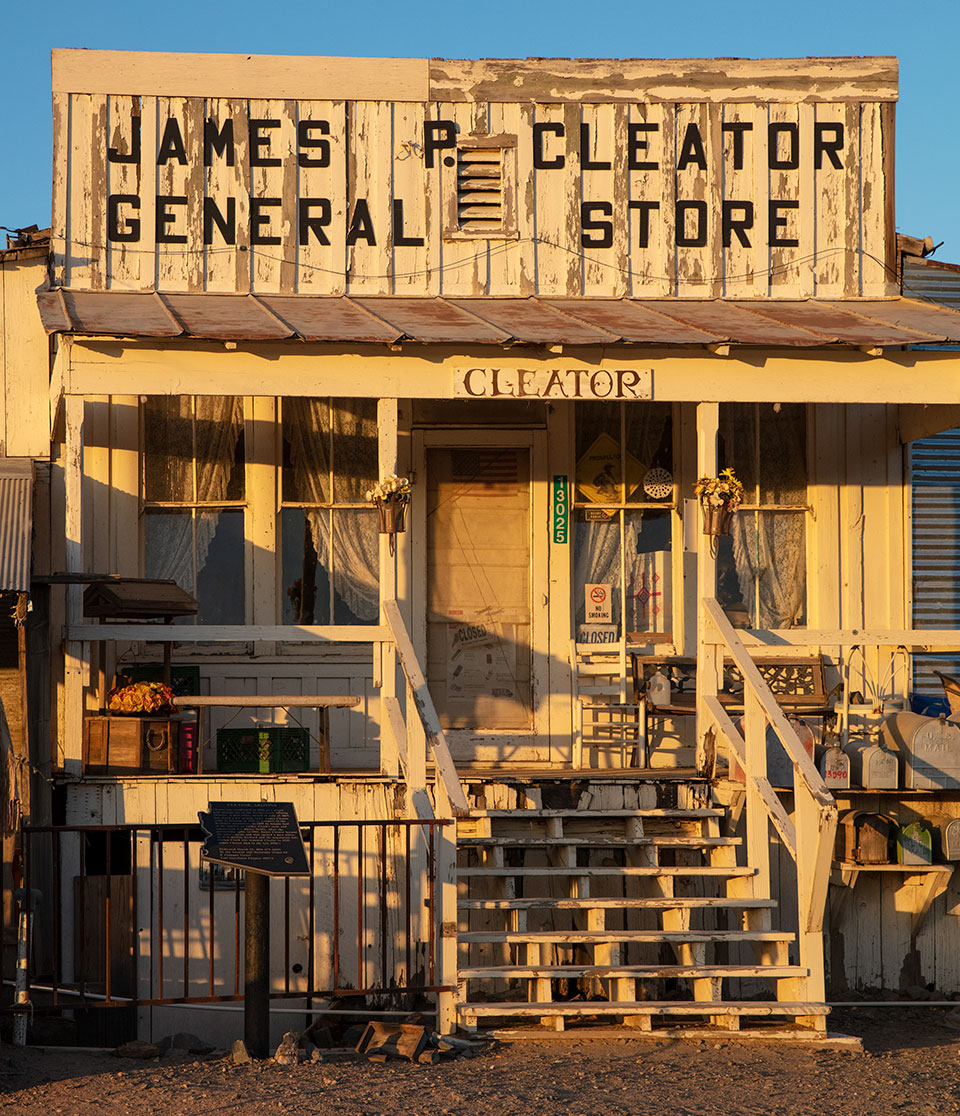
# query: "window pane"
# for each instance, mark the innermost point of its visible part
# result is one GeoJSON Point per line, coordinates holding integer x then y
{"type": "Point", "coordinates": [783, 455]}
{"type": "Point", "coordinates": [729, 595]}
{"type": "Point", "coordinates": [649, 460]}
{"type": "Point", "coordinates": [598, 453]}
{"type": "Point", "coordinates": [761, 570]}
{"type": "Point", "coordinates": [306, 582]}
{"type": "Point", "coordinates": [219, 426]}
{"type": "Point", "coordinates": [220, 567]}
{"type": "Point", "coordinates": [596, 558]}
{"type": "Point", "coordinates": [356, 566]}
{"type": "Point", "coordinates": [169, 546]}
{"type": "Point", "coordinates": [355, 452]}
{"type": "Point", "coordinates": [649, 580]}
{"type": "Point", "coordinates": [168, 448]}
{"type": "Point", "coordinates": [738, 444]}
{"type": "Point", "coordinates": [306, 450]}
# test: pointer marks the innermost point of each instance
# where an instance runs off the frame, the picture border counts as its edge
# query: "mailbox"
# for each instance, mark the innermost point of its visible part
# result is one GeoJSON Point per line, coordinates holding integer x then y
{"type": "Point", "coordinates": [929, 748]}
{"type": "Point", "coordinates": [915, 844]}
{"type": "Point", "coordinates": [873, 767]}
{"type": "Point", "coordinates": [950, 839]}
{"type": "Point", "coordinates": [835, 768]}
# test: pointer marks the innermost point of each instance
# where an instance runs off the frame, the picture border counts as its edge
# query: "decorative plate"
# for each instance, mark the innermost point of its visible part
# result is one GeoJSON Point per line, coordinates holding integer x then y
{"type": "Point", "coordinates": [658, 484]}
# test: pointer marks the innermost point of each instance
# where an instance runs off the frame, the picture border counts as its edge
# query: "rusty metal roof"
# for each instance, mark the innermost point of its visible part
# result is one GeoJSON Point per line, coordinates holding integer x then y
{"type": "Point", "coordinates": [771, 323]}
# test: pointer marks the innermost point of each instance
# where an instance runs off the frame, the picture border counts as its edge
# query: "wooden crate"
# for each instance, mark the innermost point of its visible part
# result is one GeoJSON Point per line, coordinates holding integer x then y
{"type": "Point", "coordinates": [130, 746]}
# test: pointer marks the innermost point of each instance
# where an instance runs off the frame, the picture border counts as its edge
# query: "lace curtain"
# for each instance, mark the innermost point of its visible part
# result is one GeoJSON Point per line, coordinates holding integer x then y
{"type": "Point", "coordinates": [347, 539]}
{"type": "Point", "coordinates": [769, 546]}
{"type": "Point", "coordinates": [208, 427]}
{"type": "Point", "coordinates": [597, 544]}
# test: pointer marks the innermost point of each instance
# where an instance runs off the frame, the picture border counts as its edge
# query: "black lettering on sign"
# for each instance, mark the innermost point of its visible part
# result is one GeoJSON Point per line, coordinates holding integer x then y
{"type": "Point", "coordinates": [737, 128]}
{"type": "Point", "coordinates": [636, 144]}
{"type": "Point", "coordinates": [697, 239]}
{"type": "Point", "coordinates": [306, 139]}
{"type": "Point", "coordinates": [165, 217]}
{"type": "Point", "coordinates": [120, 228]}
{"type": "Point", "coordinates": [114, 155]}
{"type": "Point", "coordinates": [218, 140]}
{"type": "Point", "coordinates": [227, 224]}
{"type": "Point", "coordinates": [585, 161]}
{"type": "Point", "coordinates": [171, 144]}
{"type": "Point", "coordinates": [732, 225]}
{"type": "Point", "coordinates": [645, 208]}
{"type": "Point", "coordinates": [540, 160]}
{"type": "Point", "coordinates": [398, 237]}
{"type": "Point", "coordinates": [259, 140]}
{"type": "Point", "coordinates": [827, 140]}
{"type": "Point", "coordinates": [777, 223]}
{"type": "Point", "coordinates": [438, 135]}
{"type": "Point", "coordinates": [792, 159]}
{"type": "Point", "coordinates": [361, 224]}
{"type": "Point", "coordinates": [259, 219]}
{"type": "Point", "coordinates": [691, 150]}
{"type": "Point", "coordinates": [604, 228]}
{"type": "Point", "coordinates": [308, 223]}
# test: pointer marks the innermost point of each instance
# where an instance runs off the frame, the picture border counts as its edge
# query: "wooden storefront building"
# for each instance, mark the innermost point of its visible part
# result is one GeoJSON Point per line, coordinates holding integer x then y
{"type": "Point", "coordinates": [552, 293]}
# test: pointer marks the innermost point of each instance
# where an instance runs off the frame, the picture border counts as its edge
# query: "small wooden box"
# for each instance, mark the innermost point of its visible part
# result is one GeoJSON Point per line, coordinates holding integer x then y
{"type": "Point", "coordinates": [865, 838]}
{"type": "Point", "coordinates": [130, 746]}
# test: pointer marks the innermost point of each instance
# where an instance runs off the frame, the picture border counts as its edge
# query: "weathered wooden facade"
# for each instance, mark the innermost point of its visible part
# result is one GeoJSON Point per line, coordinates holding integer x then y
{"type": "Point", "coordinates": [553, 293]}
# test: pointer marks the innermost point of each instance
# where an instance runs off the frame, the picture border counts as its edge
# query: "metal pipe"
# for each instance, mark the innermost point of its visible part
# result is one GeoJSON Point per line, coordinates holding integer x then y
{"type": "Point", "coordinates": [256, 970]}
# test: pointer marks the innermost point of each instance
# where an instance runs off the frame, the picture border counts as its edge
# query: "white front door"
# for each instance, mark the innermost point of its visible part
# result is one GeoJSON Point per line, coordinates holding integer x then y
{"type": "Point", "coordinates": [482, 595]}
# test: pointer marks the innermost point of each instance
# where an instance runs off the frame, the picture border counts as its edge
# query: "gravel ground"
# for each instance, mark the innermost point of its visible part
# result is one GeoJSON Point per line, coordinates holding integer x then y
{"type": "Point", "coordinates": [910, 1063]}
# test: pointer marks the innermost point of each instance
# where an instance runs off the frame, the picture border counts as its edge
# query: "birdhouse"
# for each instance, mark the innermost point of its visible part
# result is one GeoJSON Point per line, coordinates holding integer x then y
{"type": "Point", "coordinates": [865, 838]}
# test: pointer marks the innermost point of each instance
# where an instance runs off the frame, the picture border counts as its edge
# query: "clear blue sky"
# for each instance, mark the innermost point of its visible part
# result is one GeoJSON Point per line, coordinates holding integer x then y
{"type": "Point", "coordinates": [925, 35]}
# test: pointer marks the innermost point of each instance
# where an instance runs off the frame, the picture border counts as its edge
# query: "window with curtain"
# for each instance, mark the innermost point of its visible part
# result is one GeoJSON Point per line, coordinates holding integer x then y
{"type": "Point", "coordinates": [330, 550]}
{"type": "Point", "coordinates": [761, 565]}
{"type": "Point", "coordinates": [192, 496]}
{"type": "Point", "coordinates": [624, 494]}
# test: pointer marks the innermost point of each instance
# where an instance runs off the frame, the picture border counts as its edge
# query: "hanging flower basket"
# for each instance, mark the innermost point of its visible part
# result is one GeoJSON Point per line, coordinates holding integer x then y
{"type": "Point", "coordinates": [391, 495]}
{"type": "Point", "coordinates": [719, 498]}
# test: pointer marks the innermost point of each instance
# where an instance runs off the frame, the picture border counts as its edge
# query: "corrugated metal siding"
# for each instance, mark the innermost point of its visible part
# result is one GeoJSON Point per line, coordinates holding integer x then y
{"type": "Point", "coordinates": [936, 549]}
{"type": "Point", "coordinates": [16, 524]}
{"type": "Point", "coordinates": [924, 279]}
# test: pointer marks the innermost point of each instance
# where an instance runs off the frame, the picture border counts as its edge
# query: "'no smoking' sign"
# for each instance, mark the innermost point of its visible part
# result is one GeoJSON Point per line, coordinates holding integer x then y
{"type": "Point", "coordinates": [598, 604]}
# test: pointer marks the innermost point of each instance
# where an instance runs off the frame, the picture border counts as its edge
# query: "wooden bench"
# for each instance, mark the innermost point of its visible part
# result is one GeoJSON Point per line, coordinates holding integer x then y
{"type": "Point", "coordinates": [798, 684]}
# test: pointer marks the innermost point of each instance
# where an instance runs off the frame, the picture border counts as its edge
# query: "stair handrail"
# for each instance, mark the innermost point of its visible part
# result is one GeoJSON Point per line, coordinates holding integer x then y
{"type": "Point", "coordinates": [447, 778]}
{"type": "Point", "coordinates": [809, 838]}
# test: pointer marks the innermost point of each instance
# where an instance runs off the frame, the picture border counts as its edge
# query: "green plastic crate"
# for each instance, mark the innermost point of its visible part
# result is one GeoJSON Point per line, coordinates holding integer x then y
{"type": "Point", "coordinates": [263, 750]}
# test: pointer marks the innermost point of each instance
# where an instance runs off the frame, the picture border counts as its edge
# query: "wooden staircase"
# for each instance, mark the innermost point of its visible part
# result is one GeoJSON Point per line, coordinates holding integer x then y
{"type": "Point", "coordinates": [645, 917]}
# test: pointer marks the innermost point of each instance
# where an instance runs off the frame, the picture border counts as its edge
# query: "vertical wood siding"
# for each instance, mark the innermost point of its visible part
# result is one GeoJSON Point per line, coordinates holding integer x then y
{"type": "Point", "coordinates": [376, 158]}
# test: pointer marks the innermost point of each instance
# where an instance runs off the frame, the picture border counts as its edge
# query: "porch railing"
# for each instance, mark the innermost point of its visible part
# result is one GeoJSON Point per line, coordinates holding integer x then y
{"type": "Point", "coordinates": [129, 915]}
{"type": "Point", "coordinates": [809, 836]}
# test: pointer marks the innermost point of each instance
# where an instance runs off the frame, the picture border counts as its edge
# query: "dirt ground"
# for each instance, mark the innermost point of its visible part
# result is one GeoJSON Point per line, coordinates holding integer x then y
{"type": "Point", "coordinates": [910, 1063]}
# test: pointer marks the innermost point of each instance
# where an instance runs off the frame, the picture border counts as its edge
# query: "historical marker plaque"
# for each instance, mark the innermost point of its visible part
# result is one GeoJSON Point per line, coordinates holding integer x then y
{"type": "Point", "coordinates": [256, 836]}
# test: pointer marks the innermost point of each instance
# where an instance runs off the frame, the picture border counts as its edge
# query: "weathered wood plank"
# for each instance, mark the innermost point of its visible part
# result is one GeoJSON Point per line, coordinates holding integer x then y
{"type": "Point", "coordinates": [587, 81]}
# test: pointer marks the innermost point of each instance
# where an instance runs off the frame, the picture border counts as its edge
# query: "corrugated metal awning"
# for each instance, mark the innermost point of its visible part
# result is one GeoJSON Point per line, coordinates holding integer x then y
{"type": "Point", "coordinates": [771, 323]}
{"type": "Point", "coordinates": [16, 524]}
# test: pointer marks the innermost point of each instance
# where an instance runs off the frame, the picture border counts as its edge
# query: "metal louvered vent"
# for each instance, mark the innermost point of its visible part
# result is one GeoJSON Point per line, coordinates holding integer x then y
{"type": "Point", "coordinates": [480, 207]}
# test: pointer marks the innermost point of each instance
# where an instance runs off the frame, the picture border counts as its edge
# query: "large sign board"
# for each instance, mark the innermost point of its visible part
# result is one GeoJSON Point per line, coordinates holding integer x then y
{"type": "Point", "coordinates": [255, 836]}
{"type": "Point", "coordinates": [765, 178]}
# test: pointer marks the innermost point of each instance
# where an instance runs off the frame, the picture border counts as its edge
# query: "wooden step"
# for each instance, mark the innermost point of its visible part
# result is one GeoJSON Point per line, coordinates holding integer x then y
{"type": "Point", "coordinates": [641, 972]}
{"type": "Point", "coordinates": [618, 870]}
{"type": "Point", "coordinates": [535, 841]}
{"type": "Point", "coordinates": [532, 814]}
{"type": "Point", "coordinates": [646, 1007]}
{"type": "Point", "coordinates": [658, 903]}
{"type": "Point", "coordinates": [605, 937]}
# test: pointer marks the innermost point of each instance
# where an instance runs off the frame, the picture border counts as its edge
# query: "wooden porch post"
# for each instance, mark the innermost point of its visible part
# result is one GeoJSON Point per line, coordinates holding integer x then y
{"type": "Point", "coordinates": [387, 464]}
{"type": "Point", "coordinates": [709, 661]}
{"type": "Point", "coordinates": [71, 721]}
